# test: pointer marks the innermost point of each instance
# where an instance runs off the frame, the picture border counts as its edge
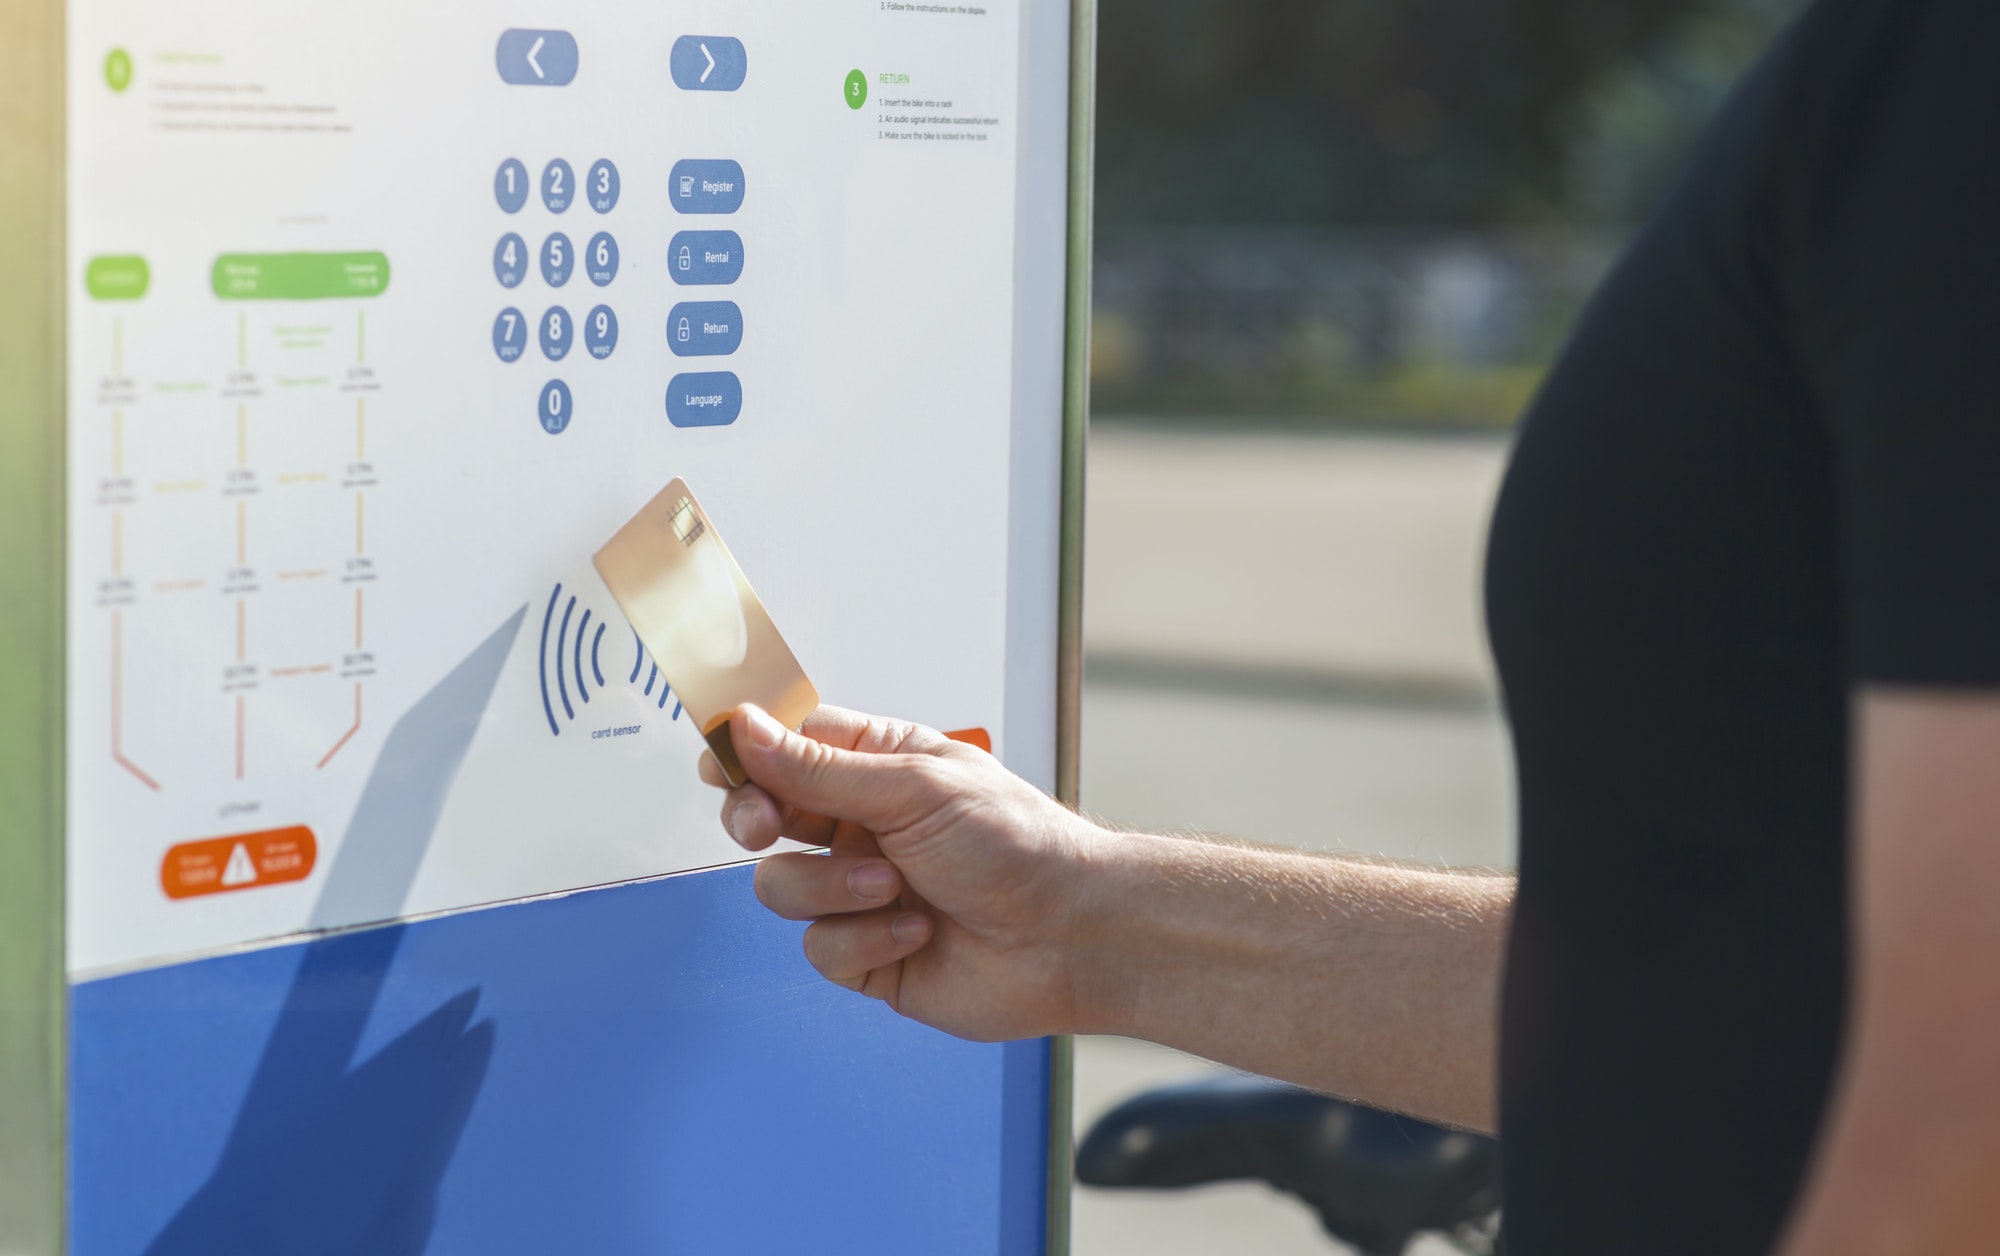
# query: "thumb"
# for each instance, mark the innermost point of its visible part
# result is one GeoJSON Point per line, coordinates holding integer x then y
{"type": "Point", "coordinates": [875, 790]}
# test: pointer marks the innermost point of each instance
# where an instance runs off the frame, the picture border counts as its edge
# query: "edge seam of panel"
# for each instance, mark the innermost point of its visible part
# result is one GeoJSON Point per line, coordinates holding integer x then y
{"type": "Point", "coordinates": [33, 435]}
{"type": "Point", "coordinates": [1069, 598]}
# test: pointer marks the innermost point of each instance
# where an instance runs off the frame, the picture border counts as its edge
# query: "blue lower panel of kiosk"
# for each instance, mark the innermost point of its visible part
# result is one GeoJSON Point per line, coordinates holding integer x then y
{"type": "Point", "coordinates": [646, 1068]}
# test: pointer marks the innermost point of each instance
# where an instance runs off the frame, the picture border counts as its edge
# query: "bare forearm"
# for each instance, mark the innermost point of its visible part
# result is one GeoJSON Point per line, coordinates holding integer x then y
{"type": "Point", "coordinates": [1376, 982]}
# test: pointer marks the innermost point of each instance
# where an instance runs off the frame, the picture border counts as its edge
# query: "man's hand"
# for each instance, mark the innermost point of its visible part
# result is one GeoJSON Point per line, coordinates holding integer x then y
{"type": "Point", "coordinates": [950, 885]}
{"type": "Point", "coordinates": [969, 901]}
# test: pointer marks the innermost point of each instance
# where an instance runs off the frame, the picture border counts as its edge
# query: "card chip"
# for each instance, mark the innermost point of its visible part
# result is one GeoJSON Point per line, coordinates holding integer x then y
{"type": "Point", "coordinates": [687, 524]}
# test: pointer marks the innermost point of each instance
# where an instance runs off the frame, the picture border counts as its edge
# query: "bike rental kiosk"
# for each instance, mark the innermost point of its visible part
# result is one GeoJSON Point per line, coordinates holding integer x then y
{"type": "Point", "coordinates": [357, 893]}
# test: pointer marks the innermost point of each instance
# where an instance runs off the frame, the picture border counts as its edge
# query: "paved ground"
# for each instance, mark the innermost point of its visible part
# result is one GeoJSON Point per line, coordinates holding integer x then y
{"type": "Point", "coordinates": [1284, 644]}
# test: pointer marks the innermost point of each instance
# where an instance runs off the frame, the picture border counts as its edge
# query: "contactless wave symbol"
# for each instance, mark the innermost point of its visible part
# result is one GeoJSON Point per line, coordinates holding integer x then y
{"type": "Point", "coordinates": [575, 657]}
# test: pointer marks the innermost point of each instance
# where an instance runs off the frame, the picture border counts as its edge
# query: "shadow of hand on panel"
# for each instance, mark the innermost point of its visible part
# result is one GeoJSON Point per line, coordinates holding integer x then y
{"type": "Point", "coordinates": [329, 1155]}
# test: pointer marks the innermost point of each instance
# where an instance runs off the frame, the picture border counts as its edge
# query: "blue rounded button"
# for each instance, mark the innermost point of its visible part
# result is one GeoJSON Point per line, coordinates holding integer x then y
{"type": "Point", "coordinates": [706, 185]}
{"type": "Point", "coordinates": [600, 258]}
{"type": "Point", "coordinates": [558, 260]}
{"type": "Point", "coordinates": [510, 260]}
{"type": "Point", "coordinates": [600, 186]}
{"type": "Point", "coordinates": [510, 185]}
{"type": "Point", "coordinates": [556, 333]}
{"type": "Point", "coordinates": [533, 58]}
{"type": "Point", "coordinates": [558, 185]}
{"type": "Point", "coordinates": [705, 257]}
{"type": "Point", "coordinates": [600, 332]}
{"type": "Point", "coordinates": [553, 409]}
{"type": "Point", "coordinates": [510, 334]}
{"type": "Point", "coordinates": [708, 63]}
{"type": "Point", "coordinates": [699, 329]}
{"type": "Point", "coordinates": [704, 399]}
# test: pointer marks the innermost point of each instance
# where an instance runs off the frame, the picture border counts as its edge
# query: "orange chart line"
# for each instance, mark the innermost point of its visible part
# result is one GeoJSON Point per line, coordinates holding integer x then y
{"type": "Point", "coordinates": [118, 702]}
{"type": "Point", "coordinates": [349, 734]}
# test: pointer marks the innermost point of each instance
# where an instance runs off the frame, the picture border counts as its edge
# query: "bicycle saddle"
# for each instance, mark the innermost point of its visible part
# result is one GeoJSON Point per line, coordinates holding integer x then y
{"type": "Point", "coordinates": [1375, 1179]}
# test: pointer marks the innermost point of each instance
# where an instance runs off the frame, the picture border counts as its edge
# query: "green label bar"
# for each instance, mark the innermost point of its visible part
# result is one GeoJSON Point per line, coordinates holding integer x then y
{"type": "Point", "coordinates": [117, 277]}
{"type": "Point", "coordinates": [299, 276]}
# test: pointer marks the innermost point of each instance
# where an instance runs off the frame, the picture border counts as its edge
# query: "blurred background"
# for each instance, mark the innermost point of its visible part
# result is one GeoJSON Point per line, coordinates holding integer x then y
{"type": "Point", "coordinates": [1338, 244]}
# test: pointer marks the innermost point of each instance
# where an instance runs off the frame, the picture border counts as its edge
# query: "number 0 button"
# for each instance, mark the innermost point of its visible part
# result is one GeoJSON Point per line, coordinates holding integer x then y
{"type": "Point", "coordinates": [557, 260]}
{"type": "Point", "coordinates": [510, 334]}
{"type": "Point", "coordinates": [600, 332]}
{"type": "Point", "coordinates": [558, 185]}
{"type": "Point", "coordinates": [556, 333]}
{"type": "Point", "coordinates": [554, 407]}
{"type": "Point", "coordinates": [510, 260]}
{"type": "Point", "coordinates": [601, 186]}
{"type": "Point", "coordinates": [510, 185]}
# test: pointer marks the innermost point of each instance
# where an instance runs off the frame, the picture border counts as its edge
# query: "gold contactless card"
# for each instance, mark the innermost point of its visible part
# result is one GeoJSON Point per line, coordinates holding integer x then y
{"type": "Point", "coordinates": [688, 601]}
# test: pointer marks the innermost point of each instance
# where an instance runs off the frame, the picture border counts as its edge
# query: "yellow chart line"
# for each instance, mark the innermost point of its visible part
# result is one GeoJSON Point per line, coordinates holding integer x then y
{"type": "Point", "coordinates": [118, 442]}
{"type": "Point", "coordinates": [242, 434]}
{"type": "Point", "coordinates": [117, 542]}
{"type": "Point", "coordinates": [242, 519]}
{"type": "Point", "coordinates": [360, 429]}
{"type": "Point", "coordinates": [360, 530]}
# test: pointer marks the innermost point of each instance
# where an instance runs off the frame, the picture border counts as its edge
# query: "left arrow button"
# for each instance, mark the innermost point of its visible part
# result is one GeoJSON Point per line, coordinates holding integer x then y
{"type": "Point", "coordinates": [532, 58]}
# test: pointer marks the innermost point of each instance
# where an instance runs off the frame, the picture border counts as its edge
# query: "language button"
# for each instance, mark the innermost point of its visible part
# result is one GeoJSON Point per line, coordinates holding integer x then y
{"type": "Point", "coordinates": [706, 186]}
{"type": "Point", "coordinates": [705, 257]}
{"type": "Point", "coordinates": [704, 399]}
{"type": "Point", "coordinates": [708, 63]}
{"type": "Point", "coordinates": [702, 329]}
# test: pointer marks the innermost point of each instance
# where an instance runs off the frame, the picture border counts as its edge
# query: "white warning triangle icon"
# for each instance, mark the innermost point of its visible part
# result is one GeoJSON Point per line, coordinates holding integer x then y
{"type": "Point", "coordinates": [239, 870]}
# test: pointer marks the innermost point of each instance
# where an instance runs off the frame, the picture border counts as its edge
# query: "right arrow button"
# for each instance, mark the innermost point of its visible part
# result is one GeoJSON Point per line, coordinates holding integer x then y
{"type": "Point", "coordinates": [708, 63]}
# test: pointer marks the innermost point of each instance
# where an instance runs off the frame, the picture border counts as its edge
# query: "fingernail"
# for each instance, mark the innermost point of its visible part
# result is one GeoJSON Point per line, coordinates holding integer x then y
{"type": "Point", "coordinates": [872, 881]}
{"type": "Point", "coordinates": [765, 732]}
{"type": "Point", "coordinates": [740, 818]}
{"type": "Point", "coordinates": [909, 927]}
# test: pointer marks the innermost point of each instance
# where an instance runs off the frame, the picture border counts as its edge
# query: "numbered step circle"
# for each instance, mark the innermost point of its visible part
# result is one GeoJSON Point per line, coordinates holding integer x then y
{"type": "Point", "coordinates": [510, 185]}
{"type": "Point", "coordinates": [510, 260]}
{"type": "Point", "coordinates": [600, 186]}
{"type": "Point", "coordinates": [557, 260]}
{"type": "Point", "coordinates": [600, 259]}
{"type": "Point", "coordinates": [554, 407]}
{"type": "Point", "coordinates": [558, 185]}
{"type": "Point", "coordinates": [600, 332]}
{"type": "Point", "coordinates": [556, 333]}
{"type": "Point", "coordinates": [510, 334]}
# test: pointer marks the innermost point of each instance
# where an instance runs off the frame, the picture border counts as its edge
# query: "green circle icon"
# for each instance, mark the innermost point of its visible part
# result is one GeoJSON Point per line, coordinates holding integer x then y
{"type": "Point", "coordinates": [118, 69]}
{"type": "Point", "coordinates": [856, 94]}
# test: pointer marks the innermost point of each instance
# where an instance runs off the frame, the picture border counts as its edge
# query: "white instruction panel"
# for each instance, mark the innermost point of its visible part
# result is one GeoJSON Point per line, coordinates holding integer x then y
{"type": "Point", "coordinates": [386, 315]}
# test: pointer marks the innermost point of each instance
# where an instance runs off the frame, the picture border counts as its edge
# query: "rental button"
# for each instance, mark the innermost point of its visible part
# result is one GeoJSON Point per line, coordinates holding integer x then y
{"type": "Point", "coordinates": [707, 63]}
{"type": "Point", "coordinates": [704, 399]}
{"type": "Point", "coordinates": [710, 185]}
{"type": "Point", "coordinates": [704, 257]}
{"type": "Point", "coordinates": [530, 58]}
{"type": "Point", "coordinates": [704, 329]}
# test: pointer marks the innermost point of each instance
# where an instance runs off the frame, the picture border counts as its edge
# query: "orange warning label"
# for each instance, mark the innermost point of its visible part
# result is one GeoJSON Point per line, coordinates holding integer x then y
{"type": "Point", "coordinates": [247, 860]}
{"type": "Point", "coordinates": [972, 737]}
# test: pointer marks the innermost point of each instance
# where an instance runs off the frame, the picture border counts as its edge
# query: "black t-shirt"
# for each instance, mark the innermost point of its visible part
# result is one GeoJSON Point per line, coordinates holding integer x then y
{"type": "Point", "coordinates": [1766, 472]}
